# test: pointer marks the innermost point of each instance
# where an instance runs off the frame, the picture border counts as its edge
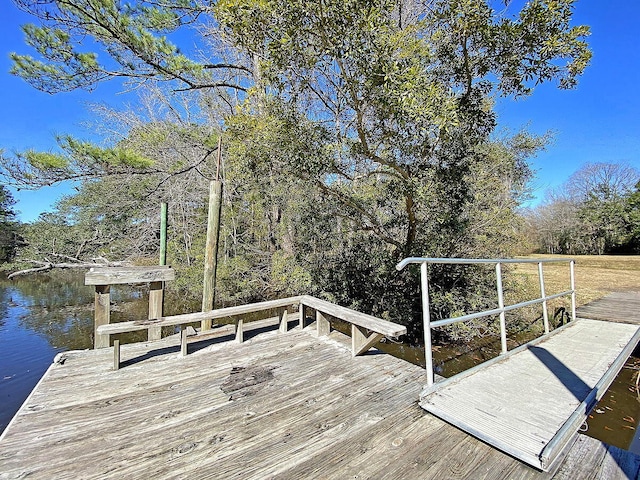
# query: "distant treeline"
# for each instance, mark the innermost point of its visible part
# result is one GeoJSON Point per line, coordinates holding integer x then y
{"type": "Point", "coordinates": [597, 211]}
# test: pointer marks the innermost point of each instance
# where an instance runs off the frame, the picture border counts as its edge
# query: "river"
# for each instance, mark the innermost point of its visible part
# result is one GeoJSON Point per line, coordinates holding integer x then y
{"type": "Point", "coordinates": [46, 314]}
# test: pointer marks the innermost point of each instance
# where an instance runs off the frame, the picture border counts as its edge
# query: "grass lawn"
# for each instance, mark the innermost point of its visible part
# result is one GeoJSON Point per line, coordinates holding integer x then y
{"type": "Point", "coordinates": [596, 275]}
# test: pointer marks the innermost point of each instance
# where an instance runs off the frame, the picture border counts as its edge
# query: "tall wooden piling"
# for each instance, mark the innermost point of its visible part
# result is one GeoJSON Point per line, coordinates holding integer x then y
{"type": "Point", "coordinates": [156, 289]}
{"type": "Point", "coordinates": [213, 233]}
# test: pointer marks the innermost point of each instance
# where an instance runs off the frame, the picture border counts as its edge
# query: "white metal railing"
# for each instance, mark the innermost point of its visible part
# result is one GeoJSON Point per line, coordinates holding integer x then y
{"type": "Point", "coordinates": [502, 308]}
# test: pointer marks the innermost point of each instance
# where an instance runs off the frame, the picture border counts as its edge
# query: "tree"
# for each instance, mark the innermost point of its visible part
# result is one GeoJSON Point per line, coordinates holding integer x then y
{"type": "Point", "coordinates": [358, 131]}
{"type": "Point", "coordinates": [632, 210]}
{"type": "Point", "coordinates": [403, 91]}
{"type": "Point", "coordinates": [10, 238]}
{"type": "Point", "coordinates": [129, 40]}
{"type": "Point", "coordinates": [403, 94]}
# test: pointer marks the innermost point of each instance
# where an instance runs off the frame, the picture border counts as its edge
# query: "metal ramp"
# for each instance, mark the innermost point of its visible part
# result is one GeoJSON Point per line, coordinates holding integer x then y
{"type": "Point", "coordinates": [531, 401]}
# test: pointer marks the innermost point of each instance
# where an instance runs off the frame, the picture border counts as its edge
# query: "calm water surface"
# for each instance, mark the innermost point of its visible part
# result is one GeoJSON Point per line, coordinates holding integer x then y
{"type": "Point", "coordinates": [43, 315]}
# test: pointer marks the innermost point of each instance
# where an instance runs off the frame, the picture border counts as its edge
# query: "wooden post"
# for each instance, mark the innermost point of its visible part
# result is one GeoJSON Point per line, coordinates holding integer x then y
{"type": "Point", "coordinates": [116, 354]}
{"type": "Point", "coordinates": [156, 289]}
{"type": "Point", "coordinates": [102, 314]}
{"type": "Point", "coordinates": [211, 251]}
{"type": "Point", "coordinates": [156, 295]}
{"type": "Point", "coordinates": [302, 315]}
{"type": "Point", "coordinates": [183, 341]}
{"type": "Point", "coordinates": [284, 320]}
{"type": "Point", "coordinates": [360, 342]}
{"type": "Point", "coordinates": [239, 331]}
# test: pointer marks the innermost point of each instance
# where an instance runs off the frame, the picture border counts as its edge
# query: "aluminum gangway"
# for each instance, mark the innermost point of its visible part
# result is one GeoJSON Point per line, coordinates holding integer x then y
{"type": "Point", "coordinates": [529, 402]}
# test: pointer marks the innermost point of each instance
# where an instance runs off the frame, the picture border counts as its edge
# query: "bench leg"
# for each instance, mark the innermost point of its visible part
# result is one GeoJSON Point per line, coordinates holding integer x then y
{"type": "Point", "coordinates": [239, 331]}
{"type": "Point", "coordinates": [284, 319]}
{"type": "Point", "coordinates": [322, 324]}
{"type": "Point", "coordinates": [302, 312]}
{"type": "Point", "coordinates": [360, 343]}
{"type": "Point", "coordinates": [116, 354]}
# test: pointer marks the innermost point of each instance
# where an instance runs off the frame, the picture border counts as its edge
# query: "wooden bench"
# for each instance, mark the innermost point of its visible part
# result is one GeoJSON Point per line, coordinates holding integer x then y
{"type": "Point", "coordinates": [361, 341]}
{"type": "Point", "coordinates": [361, 324]}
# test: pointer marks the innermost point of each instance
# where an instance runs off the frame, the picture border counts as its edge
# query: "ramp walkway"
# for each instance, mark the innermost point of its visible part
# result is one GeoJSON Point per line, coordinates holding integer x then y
{"type": "Point", "coordinates": [531, 404]}
{"type": "Point", "coordinates": [531, 401]}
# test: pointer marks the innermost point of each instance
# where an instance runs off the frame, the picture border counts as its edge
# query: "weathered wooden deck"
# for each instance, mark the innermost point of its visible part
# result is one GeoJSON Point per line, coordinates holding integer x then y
{"type": "Point", "coordinates": [621, 307]}
{"type": "Point", "coordinates": [277, 406]}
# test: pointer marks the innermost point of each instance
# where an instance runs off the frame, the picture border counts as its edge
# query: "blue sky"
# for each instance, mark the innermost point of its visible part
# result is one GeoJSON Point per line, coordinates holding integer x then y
{"type": "Point", "coordinates": [597, 122]}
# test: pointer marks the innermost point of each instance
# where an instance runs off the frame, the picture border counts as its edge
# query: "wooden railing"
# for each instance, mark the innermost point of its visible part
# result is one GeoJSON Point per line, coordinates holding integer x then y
{"type": "Point", "coordinates": [366, 330]}
{"type": "Point", "coordinates": [104, 277]}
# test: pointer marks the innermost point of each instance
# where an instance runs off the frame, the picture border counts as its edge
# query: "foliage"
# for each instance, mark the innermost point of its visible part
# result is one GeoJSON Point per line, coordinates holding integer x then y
{"type": "Point", "coordinates": [128, 40]}
{"type": "Point", "coordinates": [356, 133]}
{"type": "Point", "coordinates": [403, 92]}
{"type": "Point", "coordinates": [10, 237]}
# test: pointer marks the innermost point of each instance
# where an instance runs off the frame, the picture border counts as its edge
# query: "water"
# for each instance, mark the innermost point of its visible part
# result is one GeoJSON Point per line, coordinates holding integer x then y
{"type": "Point", "coordinates": [25, 354]}
{"type": "Point", "coordinates": [43, 315]}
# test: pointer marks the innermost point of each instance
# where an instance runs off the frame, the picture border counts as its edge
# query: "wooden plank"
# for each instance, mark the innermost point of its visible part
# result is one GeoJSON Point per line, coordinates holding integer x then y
{"type": "Point", "coordinates": [124, 275]}
{"type": "Point", "coordinates": [116, 354]}
{"type": "Point", "coordinates": [284, 320]}
{"type": "Point", "coordinates": [239, 330]}
{"type": "Point", "coordinates": [621, 307]}
{"type": "Point", "coordinates": [303, 315]}
{"type": "Point", "coordinates": [370, 322]}
{"type": "Point", "coordinates": [102, 309]}
{"type": "Point", "coordinates": [619, 465]}
{"type": "Point", "coordinates": [211, 249]}
{"type": "Point", "coordinates": [183, 341]}
{"type": "Point", "coordinates": [361, 342]}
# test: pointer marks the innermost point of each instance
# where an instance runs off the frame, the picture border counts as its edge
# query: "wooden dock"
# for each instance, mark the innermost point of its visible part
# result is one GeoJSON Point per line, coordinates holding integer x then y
{"type": "Point", "coordinates": [280, 405]}
{"type": "Point", "coordinates": [621, 307]}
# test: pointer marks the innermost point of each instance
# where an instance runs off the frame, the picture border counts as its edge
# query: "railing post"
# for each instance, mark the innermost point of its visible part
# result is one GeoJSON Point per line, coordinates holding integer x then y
{"type": "Point", "coordinates": [426, 320]}
{"type": "Point", "coordinates": [156, 299]}
{"type": "Point", "coordinates": [573, 289]}
{"type": "Point", "coordinates": [102, 315]}
{"type": "Point", "coordinates": [503, 322]}
{"type": "Point", "coordinates": [543, 295]}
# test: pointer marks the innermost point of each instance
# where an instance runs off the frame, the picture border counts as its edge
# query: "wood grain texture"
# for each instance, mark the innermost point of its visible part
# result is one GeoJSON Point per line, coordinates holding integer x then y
{"type": "Point", "coordinates": [369, 322]}
{"type": "Point", "coordinates": [156, 300]}
{"type": "Point", "coordinates": [282, 406]}
{"type": "Point", "coordinates": [184, 318]}
{"type": "Point", "coordinates": [102, 315]}
{"type": "Point", "coordinates": [124, 275]}
{"type": "Point", "coordinates": [323, 327]}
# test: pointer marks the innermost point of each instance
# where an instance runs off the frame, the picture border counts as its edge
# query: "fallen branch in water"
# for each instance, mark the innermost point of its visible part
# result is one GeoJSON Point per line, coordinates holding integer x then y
{"type": "Point", "coordinates": [46, 266]}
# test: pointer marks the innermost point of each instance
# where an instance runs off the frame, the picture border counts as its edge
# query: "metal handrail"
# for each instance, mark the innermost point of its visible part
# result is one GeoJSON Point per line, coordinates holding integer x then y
{"type": "Point", "coordinates": [502, 308]}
